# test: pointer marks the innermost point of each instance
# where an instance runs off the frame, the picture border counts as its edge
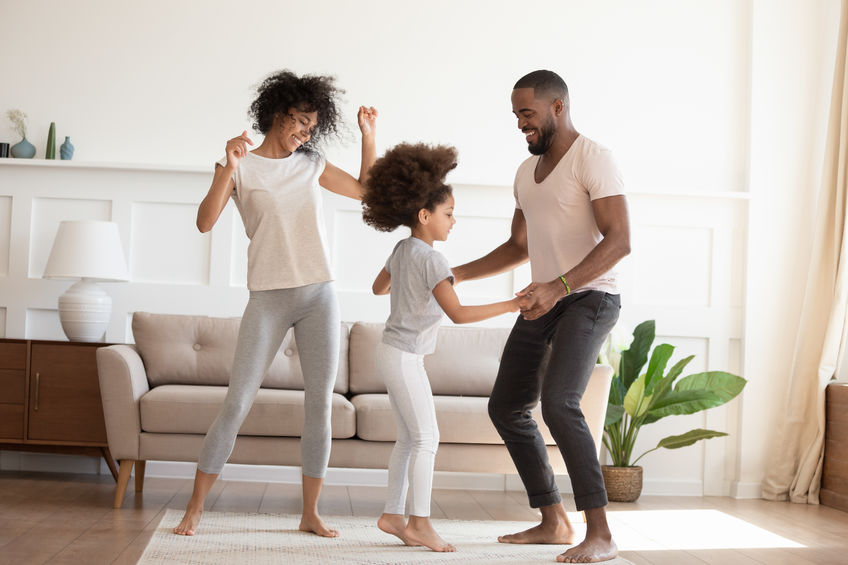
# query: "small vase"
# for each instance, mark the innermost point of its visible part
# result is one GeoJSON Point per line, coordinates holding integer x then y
{"type": "Point", "coordinates": [66, 151]}
{"type": "Point", "coordinates": [23, 150]}
{"type": "Point", "coordinates": [50, 152]}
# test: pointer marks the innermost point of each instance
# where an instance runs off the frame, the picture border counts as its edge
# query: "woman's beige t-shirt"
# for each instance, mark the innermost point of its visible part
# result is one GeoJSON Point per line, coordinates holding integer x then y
{"type": "Point", "coordinates": [561, 228]}
{"type": "Point", "coordinates": [280, 204]}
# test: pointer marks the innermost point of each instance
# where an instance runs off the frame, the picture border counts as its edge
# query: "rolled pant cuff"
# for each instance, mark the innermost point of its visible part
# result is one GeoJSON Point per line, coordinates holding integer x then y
{"type": "Point", "coordinates": [589, 501]}
{"type": "Point", "coordinates": [546, 499]}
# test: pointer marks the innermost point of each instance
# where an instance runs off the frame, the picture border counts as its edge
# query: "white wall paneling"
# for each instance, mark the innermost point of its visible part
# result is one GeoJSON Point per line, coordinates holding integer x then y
{"type": "Point", "coordinates": [165, 246]}
{"type": "Point", "coordinates": [5, 233]}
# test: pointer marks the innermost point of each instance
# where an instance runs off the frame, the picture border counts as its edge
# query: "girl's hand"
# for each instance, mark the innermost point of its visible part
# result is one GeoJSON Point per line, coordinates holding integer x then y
{"type": "Point", "coordinates": [237, 149]}
{"type": "Point", "coordinates": [513, 304]}
{"type": "Point", "coordinates": [367, 118]}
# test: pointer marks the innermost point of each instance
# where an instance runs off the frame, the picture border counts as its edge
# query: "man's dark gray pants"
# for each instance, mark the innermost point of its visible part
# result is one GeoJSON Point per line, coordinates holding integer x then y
{"type": "Point", "coordinates": [551, 358]}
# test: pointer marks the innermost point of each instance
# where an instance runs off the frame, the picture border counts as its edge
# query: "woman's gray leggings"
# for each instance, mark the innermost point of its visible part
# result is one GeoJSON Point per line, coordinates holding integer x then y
{"type": "Point", "coordinates": [313, 310]}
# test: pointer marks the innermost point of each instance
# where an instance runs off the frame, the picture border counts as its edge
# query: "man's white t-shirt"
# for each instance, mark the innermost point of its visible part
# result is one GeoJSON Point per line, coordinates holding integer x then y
{"type": "Point", "coordinates": [280, 204]}
{"type": "Point", "coordinates": [561, 228]}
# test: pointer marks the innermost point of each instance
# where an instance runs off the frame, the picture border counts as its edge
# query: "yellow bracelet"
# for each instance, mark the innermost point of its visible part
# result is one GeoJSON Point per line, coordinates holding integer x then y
{"type": "Point", "coordinates": [567, 288]}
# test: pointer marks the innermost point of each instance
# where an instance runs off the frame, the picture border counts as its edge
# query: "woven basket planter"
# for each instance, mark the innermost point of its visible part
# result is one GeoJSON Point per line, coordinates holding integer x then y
{"type": "Point", "coordinates": [624, 484]}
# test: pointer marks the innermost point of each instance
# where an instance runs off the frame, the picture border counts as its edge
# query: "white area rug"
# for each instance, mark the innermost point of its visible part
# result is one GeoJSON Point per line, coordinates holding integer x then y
{"type": "Point", "coordinates": [235, 537]}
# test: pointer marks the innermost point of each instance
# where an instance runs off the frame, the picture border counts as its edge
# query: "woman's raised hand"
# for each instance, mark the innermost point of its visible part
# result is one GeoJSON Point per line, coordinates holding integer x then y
{"type": "Point", "coordinates": [367, 118]}
{"type": "Point", "coordinates": [237, 149]}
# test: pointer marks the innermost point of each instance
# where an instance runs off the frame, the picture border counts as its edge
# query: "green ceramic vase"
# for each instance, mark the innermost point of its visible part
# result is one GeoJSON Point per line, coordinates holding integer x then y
{"type": "Point", "coordinates": [50, 153]}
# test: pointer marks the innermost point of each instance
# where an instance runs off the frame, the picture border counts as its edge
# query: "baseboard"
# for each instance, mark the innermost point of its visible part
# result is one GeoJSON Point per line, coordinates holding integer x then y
{"type": "Point", "coordinates": [335, 476]}
{"type": "Point", "coordinates": [746, 490]}
{"type": "Point", "coordinates": [52, 463]}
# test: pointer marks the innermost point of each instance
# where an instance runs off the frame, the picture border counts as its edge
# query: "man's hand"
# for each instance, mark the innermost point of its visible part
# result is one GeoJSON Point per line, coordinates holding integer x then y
{"type": "Point", "coordinates": [537, 299]}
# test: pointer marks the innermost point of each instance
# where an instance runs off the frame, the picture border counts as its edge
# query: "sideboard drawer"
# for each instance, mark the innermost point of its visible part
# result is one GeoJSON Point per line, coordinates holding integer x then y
{"type": "Point", "coordinates": [13, 355]}
{"type": "Point", "coordinates": [12, 421]}
{"type": "Point", "coordinates": [12, 386]}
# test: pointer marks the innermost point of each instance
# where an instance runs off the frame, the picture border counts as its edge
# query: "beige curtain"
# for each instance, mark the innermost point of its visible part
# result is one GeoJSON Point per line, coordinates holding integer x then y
{"type": "Point", "coordinates": [794, 471]}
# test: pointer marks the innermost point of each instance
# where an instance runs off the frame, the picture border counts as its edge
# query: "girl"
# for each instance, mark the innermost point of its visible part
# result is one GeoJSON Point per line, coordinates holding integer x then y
{"type": "Point", "coordinates": [276, 190]}
{"type": "Point", "coordinates": [406, 187]}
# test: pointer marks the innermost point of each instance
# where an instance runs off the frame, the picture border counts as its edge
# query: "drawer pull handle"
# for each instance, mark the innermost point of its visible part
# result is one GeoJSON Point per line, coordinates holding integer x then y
{"type": "Point", "coordinates": [37, 378]}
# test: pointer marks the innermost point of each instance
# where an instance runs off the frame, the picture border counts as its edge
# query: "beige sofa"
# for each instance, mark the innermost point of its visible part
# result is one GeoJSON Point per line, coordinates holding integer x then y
{"type": "Point", "coordinates": [161, 395]}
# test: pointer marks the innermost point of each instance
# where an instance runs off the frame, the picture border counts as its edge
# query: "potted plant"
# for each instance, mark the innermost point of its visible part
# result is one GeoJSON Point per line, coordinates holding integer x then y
{"type": "Point", "coordinates": [637, 399]}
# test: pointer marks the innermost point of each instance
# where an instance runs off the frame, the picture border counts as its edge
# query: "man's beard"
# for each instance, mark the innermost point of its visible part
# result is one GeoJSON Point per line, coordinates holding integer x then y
{"type": "Point", "coordinates": [546, 138]}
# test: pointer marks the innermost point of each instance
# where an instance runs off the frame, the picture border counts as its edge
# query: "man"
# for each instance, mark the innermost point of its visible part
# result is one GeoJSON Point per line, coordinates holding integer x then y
{"type": "Point", "coordinates": [571, 221]}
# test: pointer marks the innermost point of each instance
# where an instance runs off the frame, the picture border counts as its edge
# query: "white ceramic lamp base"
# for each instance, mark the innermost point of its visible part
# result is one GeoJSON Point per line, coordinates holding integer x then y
{"type": "Point", "coordinates": [84, 311]}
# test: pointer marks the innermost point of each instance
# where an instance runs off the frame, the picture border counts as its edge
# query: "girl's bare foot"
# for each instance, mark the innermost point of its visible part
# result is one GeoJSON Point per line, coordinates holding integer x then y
{"type": "Point", "coordinates": [314, 524]}
{"type": "Point", "coordinates": [394, 524]}
{"type": "Point", "coordinates": [419, 531]}
{"type": "Point", "coordinates": [191, 519]}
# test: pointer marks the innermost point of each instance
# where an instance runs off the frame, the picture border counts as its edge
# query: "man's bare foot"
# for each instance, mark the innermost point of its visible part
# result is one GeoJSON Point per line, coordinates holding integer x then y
{"type": "Point", "coordinates": [394, 524]}
{"type": "Point", "coordinates": [558, 533]}
{"type": "Point", "coordinates": [314, 524]}
{"type": "Point", "coordinates": [188, 525]}
{"type": "Point", "coordinates": [590, 551]}
{"type": "Point", "coordinates": [420, 531]}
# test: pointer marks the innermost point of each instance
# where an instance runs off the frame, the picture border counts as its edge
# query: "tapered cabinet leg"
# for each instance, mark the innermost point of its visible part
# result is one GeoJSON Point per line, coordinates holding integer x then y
{"type": "Point", "coordinates": [139, 475]}
{"type": "Point", "coordinates": [124, 472]}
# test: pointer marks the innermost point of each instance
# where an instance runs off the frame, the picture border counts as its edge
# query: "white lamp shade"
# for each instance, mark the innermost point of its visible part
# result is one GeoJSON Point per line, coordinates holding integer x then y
{"type": "Point", "coordinates": [87, 249]}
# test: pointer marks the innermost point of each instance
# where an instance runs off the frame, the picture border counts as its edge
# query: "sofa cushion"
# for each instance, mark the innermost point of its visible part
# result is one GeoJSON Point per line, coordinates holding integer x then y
{"type": "Point", "coordinates": [183, 349]}
{"type": "Point", "coordinates": [191, 409]}
{"type": "Point", "coordinates": [465, 362]}
{"type": "Point", "coordinates": [462, 419]}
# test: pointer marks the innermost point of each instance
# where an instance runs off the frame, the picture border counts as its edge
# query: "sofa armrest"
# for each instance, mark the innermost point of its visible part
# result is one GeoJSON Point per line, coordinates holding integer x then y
{"type": "Point", "coordinates": [123, 381]}
{"type": "Point", "coordinates": [594, 403]}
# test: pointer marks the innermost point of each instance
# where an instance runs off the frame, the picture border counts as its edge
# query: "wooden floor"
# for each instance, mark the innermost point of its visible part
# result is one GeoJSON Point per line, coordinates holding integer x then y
{"type": "Point", "coordinates": [55, 518]}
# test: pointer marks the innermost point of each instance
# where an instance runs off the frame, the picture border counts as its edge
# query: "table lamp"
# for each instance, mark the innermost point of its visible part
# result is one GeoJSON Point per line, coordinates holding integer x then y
{"type": "Point", "coordinates": [90, 251]}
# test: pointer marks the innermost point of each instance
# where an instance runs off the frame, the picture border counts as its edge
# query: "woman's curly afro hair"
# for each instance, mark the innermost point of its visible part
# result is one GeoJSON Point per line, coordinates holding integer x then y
{"type": "Point", "coordinates": [309, 93]}
{"type": "Point", "coordinates": [406, 179]}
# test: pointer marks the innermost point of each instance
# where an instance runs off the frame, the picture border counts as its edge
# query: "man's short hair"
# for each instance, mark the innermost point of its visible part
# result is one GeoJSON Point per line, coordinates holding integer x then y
{"type": "Point", "coordinates": [545, 84]}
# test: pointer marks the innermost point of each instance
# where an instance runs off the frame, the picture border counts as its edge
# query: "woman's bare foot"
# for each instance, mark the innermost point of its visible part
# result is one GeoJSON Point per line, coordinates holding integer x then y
{"type": "Point", "coordinates": [191, 519]}
{"type": "Point", "coordinates": [314, 524]}
{"type": "Point", "coordinates": [394, 524]}
{"type": "Point", "coordinates": [590, 551]}
{"type": "Point", "coordinates": [419, 531]}
{"type": "Point", "coordinates": [194, 509]}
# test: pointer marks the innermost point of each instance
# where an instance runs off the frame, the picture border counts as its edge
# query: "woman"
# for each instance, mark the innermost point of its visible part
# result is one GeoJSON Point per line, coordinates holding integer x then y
{"type": "Point", "coordinates": [276, 190]}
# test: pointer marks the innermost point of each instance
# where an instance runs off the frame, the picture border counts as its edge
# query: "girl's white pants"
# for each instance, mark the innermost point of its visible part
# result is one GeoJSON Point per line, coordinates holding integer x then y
{"type": "Point", "coordinates": [411, 464]}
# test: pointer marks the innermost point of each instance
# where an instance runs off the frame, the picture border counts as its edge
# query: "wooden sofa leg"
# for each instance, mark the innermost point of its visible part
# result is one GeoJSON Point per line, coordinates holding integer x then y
{"type": "Point", "coordinates": [124, 471]}
{"type": "Point", "coordinates": [139, 475]}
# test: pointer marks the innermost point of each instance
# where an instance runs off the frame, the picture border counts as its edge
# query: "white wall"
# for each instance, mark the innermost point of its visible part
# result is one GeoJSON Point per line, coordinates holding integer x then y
{"type": "Point", "coordinates": [715, 110]}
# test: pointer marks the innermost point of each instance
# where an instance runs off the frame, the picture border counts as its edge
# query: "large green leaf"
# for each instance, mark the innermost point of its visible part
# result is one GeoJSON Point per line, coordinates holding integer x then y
{"type": "Point", "coordinates": [616, 393]}
{"type": "Point", "coordinates": [635, 357]}
{"type": "Point", "coordinates": [656, 367]}
{"type": "Point", "coordinates": [681, 402]}
{"type": "Point", "coordinates": [676, 442]}
{"type": "Point", "coordinates": [724, 385]}
{"type": "Point", "coordinates": [678, 367]}
{"type": "Point", "coordinates": [614, 414]}
{"type": "Point", "coordinates": [635, 401]}
{"type": "Point", "coordinates": [664, 386]}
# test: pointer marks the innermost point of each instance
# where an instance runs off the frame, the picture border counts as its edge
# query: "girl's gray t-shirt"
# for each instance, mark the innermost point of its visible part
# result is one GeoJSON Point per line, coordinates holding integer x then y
{"type": "Point", "coordinates": [415, 268]}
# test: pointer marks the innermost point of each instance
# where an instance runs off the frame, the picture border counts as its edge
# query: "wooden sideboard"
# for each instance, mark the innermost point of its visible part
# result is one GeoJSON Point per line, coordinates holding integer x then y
{"type": "Point", "coordinates": [50, 398]}
{"type": "Point", "coordinates": [834, 485]}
